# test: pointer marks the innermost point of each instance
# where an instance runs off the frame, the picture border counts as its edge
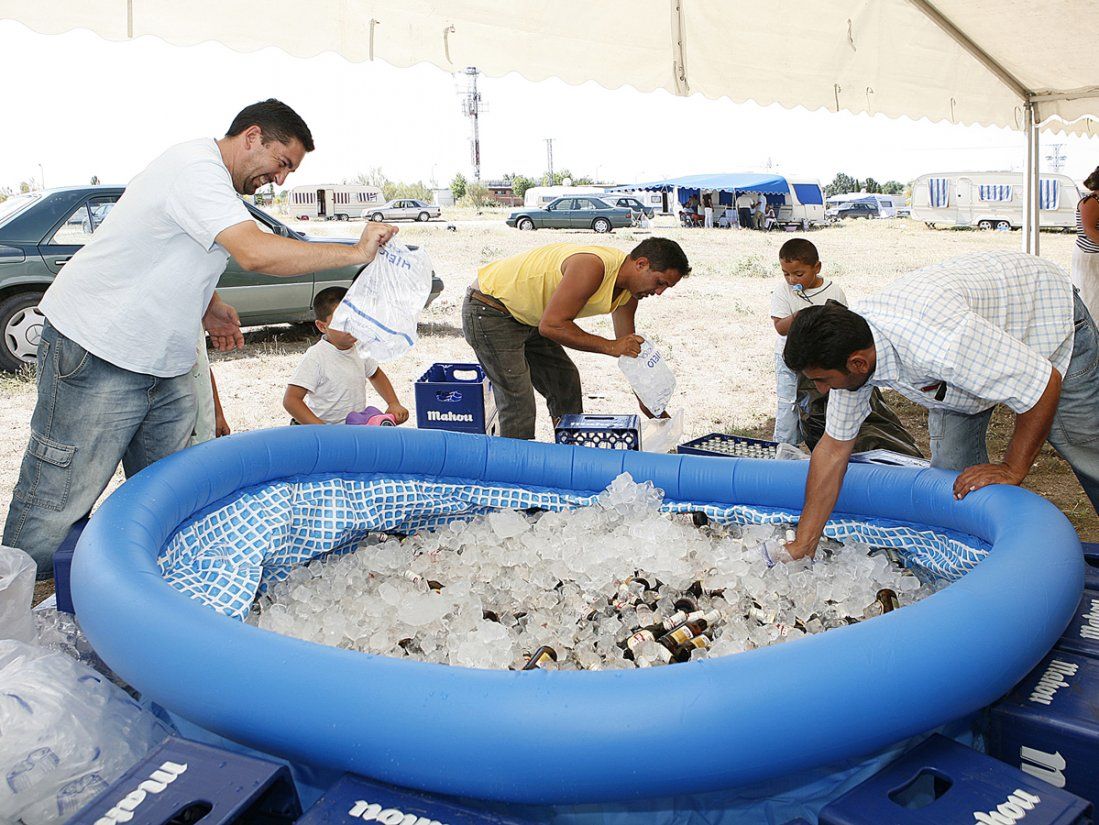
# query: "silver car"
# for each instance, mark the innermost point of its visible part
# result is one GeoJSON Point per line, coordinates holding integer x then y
{"type": "Point", "coordinates": [403, 209]}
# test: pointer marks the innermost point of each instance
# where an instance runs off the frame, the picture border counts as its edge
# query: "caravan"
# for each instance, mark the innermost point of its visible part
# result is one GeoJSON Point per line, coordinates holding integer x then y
{"type": "Point", "coordinates": [539, 196]}
{"type": "Point", "coordinates": [332, 201]}
{"type": "Point", "coordinates": [991, 200]}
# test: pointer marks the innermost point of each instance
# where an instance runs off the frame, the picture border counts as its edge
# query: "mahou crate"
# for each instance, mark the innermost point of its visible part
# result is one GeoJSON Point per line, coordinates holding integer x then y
{"type": "Point", "coordinates": [456, 397]}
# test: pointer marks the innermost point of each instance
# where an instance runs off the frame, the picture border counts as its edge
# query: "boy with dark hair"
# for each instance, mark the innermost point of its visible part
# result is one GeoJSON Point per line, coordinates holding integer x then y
{"type": "Point", "coordinates": [330, 382]}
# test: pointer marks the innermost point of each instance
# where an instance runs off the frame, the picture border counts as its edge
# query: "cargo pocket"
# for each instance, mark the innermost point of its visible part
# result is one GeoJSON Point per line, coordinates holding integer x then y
{"type": "Point", "coordinates": [46, 475]}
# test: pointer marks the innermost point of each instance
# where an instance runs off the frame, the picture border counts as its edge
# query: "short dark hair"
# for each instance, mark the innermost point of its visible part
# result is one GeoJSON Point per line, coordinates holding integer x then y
{"type": "Point", "coordinates": [663, 254]}
{"type": "Point", "coordinates": [825, 337]}
{"type": "Point", "coordinates": [801, 250]}
{"type": "Point", "coordinates": [1092, 180]}
{"type": "Point", "coordinates": [326, 301]}
{"type": "Point", "coordinates": [276, 120]}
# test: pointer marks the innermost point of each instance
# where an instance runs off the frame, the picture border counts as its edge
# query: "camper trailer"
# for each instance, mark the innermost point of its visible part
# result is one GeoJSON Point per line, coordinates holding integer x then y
{"type": "Point", "coordinates": [539, 196]}
{"type": "Point", "coordinates": [991, 200]}
{"type": "Point", "coordinates": [332, 201]}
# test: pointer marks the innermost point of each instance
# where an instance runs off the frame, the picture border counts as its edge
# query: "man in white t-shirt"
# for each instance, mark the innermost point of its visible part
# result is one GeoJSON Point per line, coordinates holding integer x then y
{"type": "Point", "coordinates": [118, 344]}
{"type": "Point", "coordinates": [744, 203]}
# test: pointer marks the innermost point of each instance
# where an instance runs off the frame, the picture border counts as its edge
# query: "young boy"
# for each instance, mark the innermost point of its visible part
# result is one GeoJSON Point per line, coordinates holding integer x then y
{"type": "Point", "coordinates": [803, 287]}
{"type": "Point", "coordinates": [330, 381]}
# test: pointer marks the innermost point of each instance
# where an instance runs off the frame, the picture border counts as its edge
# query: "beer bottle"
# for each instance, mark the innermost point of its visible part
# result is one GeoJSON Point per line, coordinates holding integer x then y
{"type": "Point", "coordinates": [683, 652]}
{"type": "Point", "coordinates": [685, 632]}
{"type": "Point", "coordinates": [686, 604]}
{"type": "Point", "coordinates": [885, 602]}
{"type": "Point", "coordinates": [760, 614]}
{"type": "Point", "coordinates": [540, 657]}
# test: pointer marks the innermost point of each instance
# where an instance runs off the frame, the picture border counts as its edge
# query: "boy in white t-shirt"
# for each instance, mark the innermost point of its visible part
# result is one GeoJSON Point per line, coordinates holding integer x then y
{"type": "Point", "coordinates": [803, 287]}
{"type": "Point", "coordinates": [330, 381]}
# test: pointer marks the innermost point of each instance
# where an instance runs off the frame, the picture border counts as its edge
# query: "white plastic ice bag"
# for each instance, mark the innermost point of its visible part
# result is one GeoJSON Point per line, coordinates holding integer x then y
{"type": "Point", "coordinates": [382, 307]}
{"type": "Point", "coordinates": [650, 376]}
{"type": "Point", "coordinates": [17, 571]}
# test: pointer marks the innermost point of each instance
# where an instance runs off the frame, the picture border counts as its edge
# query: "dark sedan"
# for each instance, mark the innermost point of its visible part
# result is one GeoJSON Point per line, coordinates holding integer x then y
{"type": "Point", "coordinates": [41, 231]}
{"type": "Point", "coordinates": [572, 213]}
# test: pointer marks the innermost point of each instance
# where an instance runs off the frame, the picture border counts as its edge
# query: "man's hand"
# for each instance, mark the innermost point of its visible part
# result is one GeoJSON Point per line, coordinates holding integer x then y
{"type": "Point", "coordinates": [375, 235]}
{"type": "Point", "coordinates": [221, 426]}
{"type": "Point", "coordinates": [626, 345]}
{"type": "Point", "coordinates": [799, 548]}
{"type": "Point", "coordinates": [981, 475]}
{"type": "Point", "coordinates": [223, 324]}
{"type": "Point", "coordinates": [398, 411]}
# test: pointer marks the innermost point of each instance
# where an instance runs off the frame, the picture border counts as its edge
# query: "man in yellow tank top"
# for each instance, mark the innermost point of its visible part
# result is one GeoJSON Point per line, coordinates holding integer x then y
{"type": "Point", "coordinates": [521, 312]}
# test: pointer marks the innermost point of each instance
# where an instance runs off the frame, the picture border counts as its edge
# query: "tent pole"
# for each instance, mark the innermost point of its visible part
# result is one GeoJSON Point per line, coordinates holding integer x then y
{"type": "Point", "coordinates": [1031, 194]}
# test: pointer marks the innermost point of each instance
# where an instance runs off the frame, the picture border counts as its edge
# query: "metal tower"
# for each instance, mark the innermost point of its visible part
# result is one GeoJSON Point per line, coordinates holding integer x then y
{"type": "Point", "coordinates": [472, 106]}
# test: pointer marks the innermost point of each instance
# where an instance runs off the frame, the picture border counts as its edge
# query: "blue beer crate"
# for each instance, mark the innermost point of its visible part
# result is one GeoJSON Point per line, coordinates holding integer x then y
{"type": "Point", "coordinates": [184, 781]}
{"type": "Point", "coordinates": [455, 397]}
{"type": "Point", "coordinates": [357, 799]}
{"type": "Point", "coordinates": [1091, 566]}
{"type": "Point", "coordinates": [732, 446]}
{"type": "Point", "coordinates": [62, 565]}
{"type": "Point", "coordinates": [1049, 724]}
{"type": "Point", "coordinates": [607, 432]}
{"type": "Point", "coordinates": [1082, 633]}
{"type": "Point", "coordinates": [940, 781]}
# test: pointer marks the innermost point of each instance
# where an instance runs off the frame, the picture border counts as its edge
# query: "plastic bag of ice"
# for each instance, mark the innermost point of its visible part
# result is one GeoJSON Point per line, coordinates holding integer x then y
{"type": "Point", "coordinates": [17, 571]}
{"type": "Point", "coordinates": [650, 377]}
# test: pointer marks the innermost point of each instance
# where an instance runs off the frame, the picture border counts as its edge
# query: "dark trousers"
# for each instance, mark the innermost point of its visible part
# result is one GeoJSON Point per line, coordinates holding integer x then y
{"type": "Point", "coordinates": [745, 215]}
{"type": "Point", "coordinates": [519, 360]}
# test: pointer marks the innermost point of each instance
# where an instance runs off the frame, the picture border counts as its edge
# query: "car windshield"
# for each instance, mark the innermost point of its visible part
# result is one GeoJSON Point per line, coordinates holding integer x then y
{"type": "Point", "coordinates": [15, 205]}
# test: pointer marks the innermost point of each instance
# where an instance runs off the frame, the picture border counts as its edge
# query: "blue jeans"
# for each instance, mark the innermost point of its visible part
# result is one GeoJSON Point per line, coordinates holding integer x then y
{"type": "Point", "coordinates": [90, 415]}
{"type": "Point", "coordinates": [787, 424]}
{"type": "Point", "coordinates": [958, 440]}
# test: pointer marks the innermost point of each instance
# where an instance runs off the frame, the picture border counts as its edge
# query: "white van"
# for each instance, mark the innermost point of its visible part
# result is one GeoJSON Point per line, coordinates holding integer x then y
{"type": "Point", "coordinates": [332, 201]}
{"type": "Point", "coordinates": [991, 200]}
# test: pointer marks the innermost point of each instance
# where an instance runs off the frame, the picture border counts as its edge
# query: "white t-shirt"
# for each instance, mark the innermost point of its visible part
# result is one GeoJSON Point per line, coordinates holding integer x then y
{"type": "Point", "coordinates": [136, 293]}
{"type": "Point", "coordinates": [744, 201]}
{"type": "Point", "coordinates": [786, 302]}
{"type": "Point", "coordinates": [334, 380]}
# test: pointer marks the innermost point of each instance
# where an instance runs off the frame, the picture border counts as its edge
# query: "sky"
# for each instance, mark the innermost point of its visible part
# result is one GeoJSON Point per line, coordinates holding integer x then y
{"type": "Point", "coordinates": [76, 105]}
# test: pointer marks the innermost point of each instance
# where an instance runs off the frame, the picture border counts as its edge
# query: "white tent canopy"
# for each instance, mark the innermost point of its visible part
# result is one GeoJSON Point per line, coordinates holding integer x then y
{"type": "Point", "coordinates": [1012, 63]}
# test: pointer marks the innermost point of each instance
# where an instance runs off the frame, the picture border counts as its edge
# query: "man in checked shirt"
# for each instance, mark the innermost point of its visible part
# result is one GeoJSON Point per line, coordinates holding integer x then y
{"type": "Point", "coordinates": [959, 338]}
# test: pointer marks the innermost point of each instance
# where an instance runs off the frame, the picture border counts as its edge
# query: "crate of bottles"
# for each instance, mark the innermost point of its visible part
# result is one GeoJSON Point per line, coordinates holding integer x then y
{"type": "Point", "coordinates": [455, 397]}
{"type": "Point", "coordinates": [607, 432]}
{"type": "Point", "coordinates": [1048, 726]}
{"type": "Point", "coordinates": [1091, 565]}
{"type": "Point", "coordinates": [1082, 633]}
{"type": "Point", "coordinates": [940, 781]}
{"type": "Point", "coordinates": [733, 446]}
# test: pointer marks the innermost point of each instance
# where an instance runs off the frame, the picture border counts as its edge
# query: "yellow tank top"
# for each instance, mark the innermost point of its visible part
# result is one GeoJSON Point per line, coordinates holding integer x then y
{"type": "Point", "coordinates": [524, 283]}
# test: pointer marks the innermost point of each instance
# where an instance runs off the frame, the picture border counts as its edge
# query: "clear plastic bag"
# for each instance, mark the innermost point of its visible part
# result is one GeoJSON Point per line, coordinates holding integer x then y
{"type": "Point", "coordinates": [650, 377]}
{"type": "Point", "coordinates": [382, 307]}
{"type": "Point", "coordinates": [662, 435]}
{"type": "Point", "coordinates": [17, 573]}
{"type": "Point", "coordinates": [68, 733]}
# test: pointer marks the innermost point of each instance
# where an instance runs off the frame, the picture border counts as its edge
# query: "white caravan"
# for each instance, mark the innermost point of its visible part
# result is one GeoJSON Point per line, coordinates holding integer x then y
{"type": "Point", "coordinates": [332, 201]}
{"type": "Point", "coordinates": [804, 205]}
{"type": "Point", "coordinates": [539, 196]}
{"type": "Point", "coordinates": [991, 200]}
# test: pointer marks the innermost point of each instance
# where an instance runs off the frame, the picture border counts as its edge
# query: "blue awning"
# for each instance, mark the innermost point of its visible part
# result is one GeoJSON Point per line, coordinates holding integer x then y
{"type": "Point", "coordinates": [726, 182]}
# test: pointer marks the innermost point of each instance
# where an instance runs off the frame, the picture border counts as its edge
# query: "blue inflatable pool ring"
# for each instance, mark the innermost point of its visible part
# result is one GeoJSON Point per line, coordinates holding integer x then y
{"type": "Point", "coordinates": [571, 737]}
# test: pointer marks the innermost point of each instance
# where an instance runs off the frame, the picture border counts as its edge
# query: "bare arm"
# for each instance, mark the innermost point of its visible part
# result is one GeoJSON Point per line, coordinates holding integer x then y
{"type": "Point", "coordinates": [258, 251]}
{"type": "Point", "coordinates": [221, 426]}
{"type": "Point", "coordinates": [293, 401]}
{"type": "Point", "coordinates": [1031, 429]}
{"type": "Point", "coordinates": [782, 325]}
{"type": "Point", "coordinates": [1089, 216]}
{"type": "Point", "coordinates": [827, 467]}
{"type": "Point", "coordinates": [382, 385]}
{"type": "Point", "coordinates": [583, 274]}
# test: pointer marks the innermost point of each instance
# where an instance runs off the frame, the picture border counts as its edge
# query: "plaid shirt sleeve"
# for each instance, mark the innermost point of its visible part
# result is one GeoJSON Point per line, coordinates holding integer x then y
{"type": "Point", "coordinates": [847, 409]}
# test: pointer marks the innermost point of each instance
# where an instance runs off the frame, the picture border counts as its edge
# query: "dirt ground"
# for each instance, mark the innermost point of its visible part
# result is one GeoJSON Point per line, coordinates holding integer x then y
{"type": "Point", "coordinates": [713, 329]}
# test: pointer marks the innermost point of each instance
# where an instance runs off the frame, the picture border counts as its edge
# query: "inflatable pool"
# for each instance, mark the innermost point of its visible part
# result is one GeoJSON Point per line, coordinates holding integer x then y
{"type": "Point", "coordinates": [562, 737]}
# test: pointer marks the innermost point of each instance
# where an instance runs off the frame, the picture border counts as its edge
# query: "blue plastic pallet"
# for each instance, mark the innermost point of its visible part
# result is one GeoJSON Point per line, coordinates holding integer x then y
{"type": "Point", "coordinates": [456, 397]}
{"type": "Point", "coordinates": [608, 432]}
{"type": "Point", "coordinates": [940, 782]}
{"type": "Point", "coordinates": [356, 799]}
{"type": "Point", "coordinates": [1048, 725]}
{"type": "Point", "coordinates": [1082, 633]}
{"type": "Point", "coordinates": [184, 781]}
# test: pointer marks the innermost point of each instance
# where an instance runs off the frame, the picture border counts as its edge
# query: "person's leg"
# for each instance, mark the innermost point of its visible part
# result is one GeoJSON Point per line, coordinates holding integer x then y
{"type": "Point", "coordinates": [499, 342]}
{"type": "Point", "coordinates": [1075, 430]}
{"type": "Point", "coordinates": [787, 429]}
{"type": "Point", "coordinates": [958, 440]}
{"type": "Point", "coordinates": [555, 376]}
{"type": "Point", "coordinates": [167, 426]}
{"type": "Point", "coordinates": [86, 413]}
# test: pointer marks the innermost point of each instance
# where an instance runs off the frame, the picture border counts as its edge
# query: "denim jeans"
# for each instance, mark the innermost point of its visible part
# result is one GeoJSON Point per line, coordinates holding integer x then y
{"type": "Point", "coordinates": [90, 415]}
{"type": "Point", "coordinates": [519, 360]}
{"type": "Point", "coordinates": [787, 424]}
{"type": "Point", "coordinates": [959, 440]}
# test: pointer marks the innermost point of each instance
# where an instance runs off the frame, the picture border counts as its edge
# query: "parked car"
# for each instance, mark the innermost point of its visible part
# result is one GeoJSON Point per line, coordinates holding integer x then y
{"type": "Point", "coordinates": [403, 209]}
{"type": "Point", "coordinates": [857, 209]}
{"type": "Point", "coordinates": [633, 204]}
{"type": "Point", "coordinates": [41, 231]}
{"type": "Point", "coordinates": [572, 213]}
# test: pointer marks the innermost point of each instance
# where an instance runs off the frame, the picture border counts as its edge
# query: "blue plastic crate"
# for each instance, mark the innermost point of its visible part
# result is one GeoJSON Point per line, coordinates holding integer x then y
{"type": "Point", "coordinates": [1082, 633]}
{"type": "Point", "coordinates": [1049, 724]}
{"type": "Point", "coordinates": [607, 432]}
{"type": "Point", "coordinates": [729, 446]}
{"type": "Point", "coordinates": [1091, 566]}
{"type": "Point", "coordinates": [62, 564]}
{"type": "Point", "coordinates": [356, 799]}
{"type": "Point", "coordinates": [940, 781]}
{"type": "Point", "coordinates": [456, 397]}
{"type": "Point", "coordinates": [184, 781]}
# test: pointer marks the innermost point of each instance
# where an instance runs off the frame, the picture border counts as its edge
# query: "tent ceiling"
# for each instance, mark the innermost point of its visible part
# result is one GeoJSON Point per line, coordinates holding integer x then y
{"type": "Point", "coordinates": [894, 57]}
{"type": "Point", "coordinates": [725, 182]}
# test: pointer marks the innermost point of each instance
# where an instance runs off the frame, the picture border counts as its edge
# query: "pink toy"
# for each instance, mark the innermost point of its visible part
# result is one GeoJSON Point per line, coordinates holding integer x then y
{"type": "Point", "coordinates": [371, 417]}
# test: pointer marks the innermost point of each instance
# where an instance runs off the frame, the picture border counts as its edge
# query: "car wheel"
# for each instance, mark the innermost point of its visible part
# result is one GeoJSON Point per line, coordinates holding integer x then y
{"type": "Point", "coordinates": [1003, 226]}
{"type": "Point", "coordinates": [525, 224]}
{"type": "Point", "coordinates": [423, 216]}
{"type": "Point", "coordinates": [20, 330]}
{"type": "Point", "coordinates": [984, 224]}
{"type": "Point", "coordinates": [601, 225]}
{"type": "Point", "coordinates": [377, 216]}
